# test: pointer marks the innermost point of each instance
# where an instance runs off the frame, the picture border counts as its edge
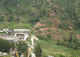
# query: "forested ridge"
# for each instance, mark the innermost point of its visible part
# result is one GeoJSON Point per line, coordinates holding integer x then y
{"type": "Point", "coordinates": [32, 11]}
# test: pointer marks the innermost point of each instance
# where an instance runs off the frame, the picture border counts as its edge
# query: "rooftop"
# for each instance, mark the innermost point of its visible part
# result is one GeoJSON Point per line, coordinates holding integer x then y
{"type": "Point", "coordinates": [21, 30]}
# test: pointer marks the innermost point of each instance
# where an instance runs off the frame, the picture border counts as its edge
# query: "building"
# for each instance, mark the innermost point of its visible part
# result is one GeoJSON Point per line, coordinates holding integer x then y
{"type": "Point", "coordinates": [15, 34]}
{"type": "Point", "coordinates": [20, 34]}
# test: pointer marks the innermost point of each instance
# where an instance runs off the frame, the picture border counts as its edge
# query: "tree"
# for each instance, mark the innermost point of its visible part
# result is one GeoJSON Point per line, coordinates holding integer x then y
{"type": "Point", "coordinates": [5, 45]}
{"type": "Point", "coordinates": [22, 46]}
{"type": "Point", "coordinates": [11, 19]}
{"type": "Point", "coordinates": [1, 18]}
{"type": "Point", "coordinates": [38, 50]}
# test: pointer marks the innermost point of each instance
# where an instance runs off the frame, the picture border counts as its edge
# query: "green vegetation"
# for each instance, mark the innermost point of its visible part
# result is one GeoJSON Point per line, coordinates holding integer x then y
{"type": "Point", "coordinates": [21, 46]}
{"type": "Point", "coordinates": [4, 56]}
{"type": "Point", "coordinates": [38, 50]}
{"type": "Point", "coordinates": [5, 45]}
{"type": "Point", "coordinates": [32, 11]}
{"type": "Point", "coordinates": [15, 25]}
{"type": "Point", "coordinates": [50, 48]}
{"type": "Point", "coordinates": [60, 35]}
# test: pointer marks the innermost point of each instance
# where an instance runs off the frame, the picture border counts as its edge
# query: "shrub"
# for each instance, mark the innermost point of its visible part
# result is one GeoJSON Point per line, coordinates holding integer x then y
{"type": "Point", "coordinates": [59, 55]}
{"type": "Point", "coordinates": [38, 50]}
{"type": "Point", "coordinates": [5, 45]}
{"type": "Point", "coordinates": [21, 46]}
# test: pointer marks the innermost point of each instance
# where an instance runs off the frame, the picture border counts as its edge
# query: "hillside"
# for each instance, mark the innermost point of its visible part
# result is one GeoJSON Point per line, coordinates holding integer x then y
{"type": "Point", "coordinates": [59, 13]}
{"type": "Point", "coordinates": [55, 20]}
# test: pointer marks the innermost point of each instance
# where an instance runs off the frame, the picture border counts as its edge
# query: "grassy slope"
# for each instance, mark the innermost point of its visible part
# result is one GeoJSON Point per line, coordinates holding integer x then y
{"type": "Point", "coordinates": [49, 48]}
{"type": "Point", "coordinates": [15, 25]}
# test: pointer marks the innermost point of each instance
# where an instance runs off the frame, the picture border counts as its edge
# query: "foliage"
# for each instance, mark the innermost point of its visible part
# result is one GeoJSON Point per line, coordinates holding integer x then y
{"type": "Point", "coordinates": [22, 47]}
{"type": "Point", "coordinates": [1, 18]}
{"type": "Point", "coordinates": [26, 13]}
{"type": "Point", "coordinates": [38, 50]}
{"type": "Point", "coordinates": [70, 41]}
{"type": "Point", "coordinates": [50, 48]}
{"type": "Point", "coordinates": [6, 45]}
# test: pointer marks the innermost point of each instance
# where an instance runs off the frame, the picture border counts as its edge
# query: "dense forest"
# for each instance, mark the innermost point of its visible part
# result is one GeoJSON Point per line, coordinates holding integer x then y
{"type": "Point", "coordinates": [32, 11]}
{"type": "Point", "coordinates": [49, 19]}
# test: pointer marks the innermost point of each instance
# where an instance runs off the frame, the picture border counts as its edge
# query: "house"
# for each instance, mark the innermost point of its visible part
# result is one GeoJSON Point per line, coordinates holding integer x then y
{"type": "Point", "coordinates": [15, 34]}
{"type": "Point", "coordinates": [20, 34]}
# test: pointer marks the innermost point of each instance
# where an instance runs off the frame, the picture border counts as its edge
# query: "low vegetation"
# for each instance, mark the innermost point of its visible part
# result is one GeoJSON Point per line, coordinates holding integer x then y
{"type": "Point", "coordinates": [5, 45]}
{"type": "Point", "coordinates": [50, 48]}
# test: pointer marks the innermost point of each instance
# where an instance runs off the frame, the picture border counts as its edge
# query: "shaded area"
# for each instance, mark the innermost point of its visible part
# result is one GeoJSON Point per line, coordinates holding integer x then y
{"type": "Point", "coordinates": [5, 45]}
